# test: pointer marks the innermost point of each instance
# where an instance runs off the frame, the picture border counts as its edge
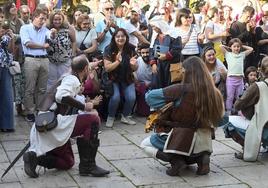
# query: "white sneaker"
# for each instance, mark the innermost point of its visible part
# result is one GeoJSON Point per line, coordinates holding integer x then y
{"type": "Point", "coordinates": [127, 120]}
{"type": "Point", "coordinates": [109, 122]}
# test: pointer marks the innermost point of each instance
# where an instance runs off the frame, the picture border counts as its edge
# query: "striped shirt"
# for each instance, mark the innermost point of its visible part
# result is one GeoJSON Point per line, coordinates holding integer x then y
{"type": "Point", "coordinates": [191, 47]}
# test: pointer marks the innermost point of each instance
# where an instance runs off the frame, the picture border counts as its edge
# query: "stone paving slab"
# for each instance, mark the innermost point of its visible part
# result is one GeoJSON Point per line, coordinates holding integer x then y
{"type": "Point", "coordinates": [144, 171]}
{"type": "Point", "coordinates": [14, 145]}
{"type": "Point", "coordinates": [216, 177]}
{"type": "Point", "coordinates": [137, 138]}
{"type": "Point", "coordinates": [11, 185]}
{"type": "Point", "coordinates": [10, 176]}
{"type": "Point", "coordinates": [169, 185]}
{"type": "Point", "coordinates": [231, 186]}
{"type": "Point", "coordinates": [228, 160]}
{"type": "Point", "coordinates": [130, 129]}
{"type": "Point", "coordinates": [51, 179]}
{"type": "Point", "coordinates": [254, 175]}
{"type": "Point", "coordinates": [11, 156]}
{"type": "Point", "coordinates": [107, 182]}
{"type": "Point", "coordinates": [110, 137]}
{"type": "Point", "coordinates": [220, 148]}
{"type": "Point", "coordinates": [232, 144]}
{"type": "Point", "coordinates": [122, 152]}
{"type": "Point", "coordinates": [3, 156]}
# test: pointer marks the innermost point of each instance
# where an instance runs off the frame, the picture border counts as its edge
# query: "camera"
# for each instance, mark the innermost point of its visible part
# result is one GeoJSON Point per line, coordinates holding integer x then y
{"type": "Point", "coordinates": [156, 51]}
{"type": "Point", "coordinates": [160, 49]}
{"type": "Point", "coordinates": [6, 24]}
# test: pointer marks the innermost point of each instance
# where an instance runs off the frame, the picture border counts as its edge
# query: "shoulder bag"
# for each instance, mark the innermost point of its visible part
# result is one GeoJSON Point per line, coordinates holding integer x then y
{"type": "Point", "coordinates": [82, 46]}
{"type": "Point", "coordinates": [46, 121]}
{"type": "Point", "coordinates": [176, 72]}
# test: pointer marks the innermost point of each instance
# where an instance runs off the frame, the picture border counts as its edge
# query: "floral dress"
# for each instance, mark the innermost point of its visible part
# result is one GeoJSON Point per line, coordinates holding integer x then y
{"type": "Point", "coordinates": [60, 50]}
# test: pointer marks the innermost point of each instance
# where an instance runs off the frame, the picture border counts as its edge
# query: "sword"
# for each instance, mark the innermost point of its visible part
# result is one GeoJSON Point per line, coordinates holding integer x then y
{"type": "Point", "coordinates": [16, 159]}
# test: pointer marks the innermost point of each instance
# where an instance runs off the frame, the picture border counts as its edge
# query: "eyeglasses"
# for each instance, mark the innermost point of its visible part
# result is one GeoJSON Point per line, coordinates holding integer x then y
{"type": "Point", "coordinates": [187, 17]}
{"type": "Point", "coordinates": [109, 8]}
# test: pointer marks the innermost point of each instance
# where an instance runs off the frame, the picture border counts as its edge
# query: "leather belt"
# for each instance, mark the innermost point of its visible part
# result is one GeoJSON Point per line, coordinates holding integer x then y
{"type": "Point", "coordinates": [36, 56]}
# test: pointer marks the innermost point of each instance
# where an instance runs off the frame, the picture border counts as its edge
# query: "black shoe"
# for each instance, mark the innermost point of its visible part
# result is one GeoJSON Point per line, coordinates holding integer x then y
{"type": "Point", "coordinates": [93, 170]}
{"type": "Point", "coordinates": [30, 118]}
{"type": "Point", "coordinates": [30, 163]}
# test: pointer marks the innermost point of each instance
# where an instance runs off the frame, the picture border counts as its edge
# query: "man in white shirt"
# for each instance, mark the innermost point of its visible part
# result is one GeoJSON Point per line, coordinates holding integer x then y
{"type": "Point", "coordinates": [144, 72]}
{"type": "Point", "coordinates": [144, 78]}
{"type": "Point", "coordinates": [132, 27]}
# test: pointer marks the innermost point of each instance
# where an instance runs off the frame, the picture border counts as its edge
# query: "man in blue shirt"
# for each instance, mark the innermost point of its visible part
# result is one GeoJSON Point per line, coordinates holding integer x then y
{"type": "Point", "coordinates": [33, 39]}
{"type": "Point", "coordinates": [105, 28]}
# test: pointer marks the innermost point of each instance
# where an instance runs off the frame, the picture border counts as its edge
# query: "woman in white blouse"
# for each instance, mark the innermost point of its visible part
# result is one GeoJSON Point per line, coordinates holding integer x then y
{"type": "Point", "coordinates": [86, 36]}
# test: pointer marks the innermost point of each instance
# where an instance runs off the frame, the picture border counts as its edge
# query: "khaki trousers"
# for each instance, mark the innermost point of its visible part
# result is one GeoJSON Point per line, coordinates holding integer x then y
{"type": "Point", "coordinates": [36, 75]}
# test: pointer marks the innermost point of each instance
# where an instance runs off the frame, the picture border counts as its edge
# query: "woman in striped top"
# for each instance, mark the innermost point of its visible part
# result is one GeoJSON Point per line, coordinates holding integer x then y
{"type": "Point", "coordinates": [188, 31]}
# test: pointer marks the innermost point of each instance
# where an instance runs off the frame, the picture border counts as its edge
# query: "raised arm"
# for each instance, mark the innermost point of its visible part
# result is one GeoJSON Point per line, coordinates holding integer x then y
{"type": "Point", "coordinates": [224, 48]}
{"type": "Point", "coordinates": [248, 49]}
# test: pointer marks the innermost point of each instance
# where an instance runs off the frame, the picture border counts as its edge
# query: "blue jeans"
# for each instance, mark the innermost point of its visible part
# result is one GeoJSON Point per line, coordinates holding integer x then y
{"type": "Point", "coordinates": [129, 96]}
{"type": "Point", "coordinates": [6, 100]}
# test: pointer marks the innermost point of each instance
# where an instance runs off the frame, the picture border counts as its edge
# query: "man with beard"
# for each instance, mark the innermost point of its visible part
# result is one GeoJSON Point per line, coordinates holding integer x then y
{"type": "Point", "coordinates": [132, 27]}
{"type": "Point", "coordinates": [52, 149]}
{"type": "Point", "coordinates": [144, 77]}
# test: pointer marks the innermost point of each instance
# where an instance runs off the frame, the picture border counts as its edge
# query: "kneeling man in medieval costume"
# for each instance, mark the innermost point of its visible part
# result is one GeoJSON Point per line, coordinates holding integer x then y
{"type": "Point", "coordinates": [52, 149]}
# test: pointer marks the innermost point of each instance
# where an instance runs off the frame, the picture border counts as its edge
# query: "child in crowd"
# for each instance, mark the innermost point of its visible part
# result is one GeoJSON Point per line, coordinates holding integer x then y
{"type": "Point", "coordinates": [235, 75]}
{"type": "Point", "coordinates": [251, 76]}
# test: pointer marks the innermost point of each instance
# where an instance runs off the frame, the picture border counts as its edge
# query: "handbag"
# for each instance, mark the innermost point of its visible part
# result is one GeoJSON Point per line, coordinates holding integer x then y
{"type": "Point", "coordinates": [14, 68]}
{"type": "Point", "coordinates": [176, 72]}
{"type": "Point", "coordinates": [82, 46]}
{"type": "Point", "coordinates": [46, 121]}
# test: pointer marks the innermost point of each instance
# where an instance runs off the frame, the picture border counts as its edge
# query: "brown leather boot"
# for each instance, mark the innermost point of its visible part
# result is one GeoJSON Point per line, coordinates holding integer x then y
{"type": "Point", "coordinates": [203, 164]}
{"type": "Point", "coordinates": [177, 164]}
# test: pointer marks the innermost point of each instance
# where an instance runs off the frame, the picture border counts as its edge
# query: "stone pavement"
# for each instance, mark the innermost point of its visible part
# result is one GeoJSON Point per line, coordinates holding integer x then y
{"type": "Point", "coordinates": [129, 165]}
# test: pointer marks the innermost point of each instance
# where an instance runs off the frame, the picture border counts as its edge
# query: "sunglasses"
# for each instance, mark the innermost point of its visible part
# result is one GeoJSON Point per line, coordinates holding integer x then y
{"type": "Point", "coordinates": [111, 8]}
{"type": "Point", "coordinates": [188, 17]}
